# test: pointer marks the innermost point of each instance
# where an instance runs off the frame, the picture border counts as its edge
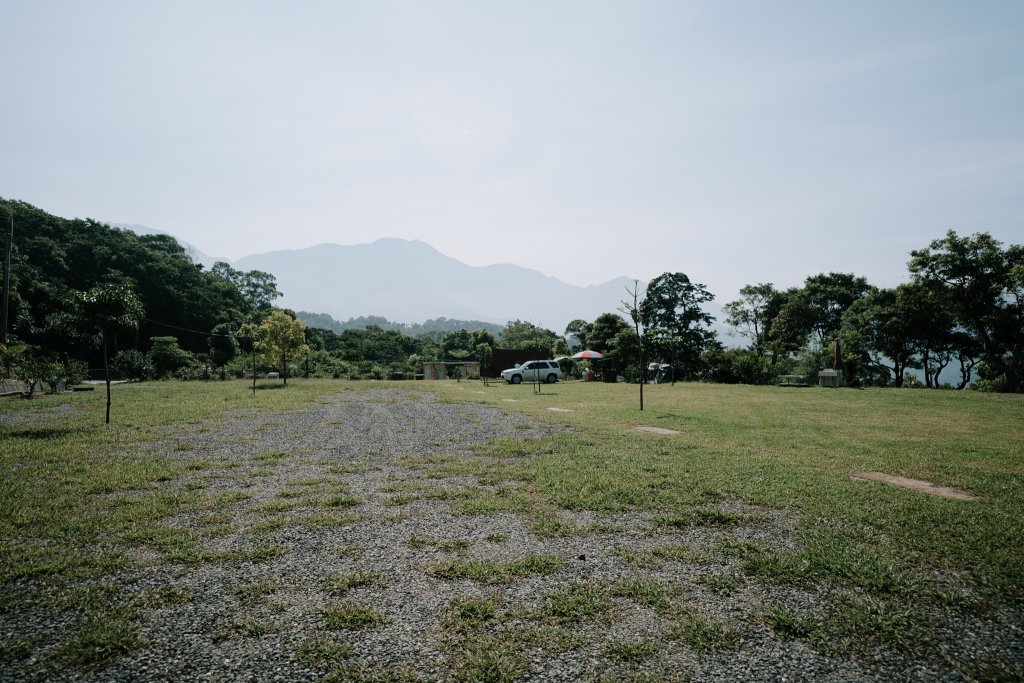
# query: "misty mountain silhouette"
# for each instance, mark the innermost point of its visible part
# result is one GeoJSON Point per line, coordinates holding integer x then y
{"type": "Point", "coordinates": [410, 281]}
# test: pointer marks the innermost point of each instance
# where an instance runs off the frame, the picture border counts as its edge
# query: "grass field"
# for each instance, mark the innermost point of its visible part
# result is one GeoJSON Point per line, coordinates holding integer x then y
{"type": "Point", "coordinates": [76, 495]}
{"type": "Point", "coordinates": [795, 449]}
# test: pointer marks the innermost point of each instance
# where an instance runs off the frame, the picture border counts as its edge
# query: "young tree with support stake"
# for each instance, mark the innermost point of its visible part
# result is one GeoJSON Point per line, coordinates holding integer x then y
{"type": "Point", "coordinates": [106, 310]}
{"type": "Point", "coordinates": [634, 308]}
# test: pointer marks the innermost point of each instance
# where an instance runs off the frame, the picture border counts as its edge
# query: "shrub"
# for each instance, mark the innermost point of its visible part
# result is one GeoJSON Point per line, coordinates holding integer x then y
{"type": "Point", "coordinates": [133, 365]}
{"type": "Point", "coordinates": [167, 357]}
{"type": "Point", "coordinates": [33, 367]}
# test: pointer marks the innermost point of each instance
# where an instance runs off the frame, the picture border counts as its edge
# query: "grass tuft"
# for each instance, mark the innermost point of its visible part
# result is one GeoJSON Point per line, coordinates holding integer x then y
{"type": "Point", "coordinates": [494, 572]}
{"type": "Point", "coordinates": [255, 593]}
{"type": "Point", "coordinates": [578, 602]}
{"type": "Point", "coordinates": [456, 545]}
{"type": "Point", "coordinates": [325, 651]}
{"type": "Point", "coordinates": [470, 614]}
{"type": "Point", "coordinates": [699, 517]}
{"type": "Point", "coordinates": [704, 633]}
{"type": "Point", "coordinates": [791, 624]}
{"type": "Point", "coordinates": [101, 639]}
{"type": "Point", "coordinates": [643, 591]}
{"type": "Point", "coordinates": [630, 652]}
{"type": "Point", "coordinates": [340, 585]}
{"type": "Point", "coordinates": [350, 615]}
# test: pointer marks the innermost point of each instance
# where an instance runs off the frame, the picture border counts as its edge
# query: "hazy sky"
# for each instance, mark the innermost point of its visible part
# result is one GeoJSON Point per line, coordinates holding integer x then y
{"type": "Point", "coordinates": [737, 142]}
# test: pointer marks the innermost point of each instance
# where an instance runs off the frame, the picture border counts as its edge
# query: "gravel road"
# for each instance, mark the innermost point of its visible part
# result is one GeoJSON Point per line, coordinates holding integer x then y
{"type": "Point", "coordinates": [348, 503]}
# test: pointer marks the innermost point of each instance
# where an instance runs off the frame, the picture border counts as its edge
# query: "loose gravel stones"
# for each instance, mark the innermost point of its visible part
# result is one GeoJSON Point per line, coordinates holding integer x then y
{"type": "Point", "coordinates": [336, 546]}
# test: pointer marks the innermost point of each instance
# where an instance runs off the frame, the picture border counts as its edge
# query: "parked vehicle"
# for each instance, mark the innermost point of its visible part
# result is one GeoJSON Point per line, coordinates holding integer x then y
{"type": "Point", "coordinates": [546, 370]}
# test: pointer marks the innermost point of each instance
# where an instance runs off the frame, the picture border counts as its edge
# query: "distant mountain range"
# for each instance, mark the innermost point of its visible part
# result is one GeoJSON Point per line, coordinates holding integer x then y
{"type": "Point", "coordinates": [408, 281]}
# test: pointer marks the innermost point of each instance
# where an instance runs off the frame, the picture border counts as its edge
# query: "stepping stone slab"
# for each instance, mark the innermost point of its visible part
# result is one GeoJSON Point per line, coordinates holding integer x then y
{"type": "Point", "coordinates": [656, 430]}
{"type": "Point", "coordinates": [915, 485]}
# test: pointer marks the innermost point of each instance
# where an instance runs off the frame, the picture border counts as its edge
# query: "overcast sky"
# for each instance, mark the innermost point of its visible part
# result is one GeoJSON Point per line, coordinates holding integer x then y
{"type": "Point", "coordinates": [736, 142]}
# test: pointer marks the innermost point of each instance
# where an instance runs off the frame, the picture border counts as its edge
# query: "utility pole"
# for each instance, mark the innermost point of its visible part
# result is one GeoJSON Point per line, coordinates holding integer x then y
{"type": "Point", "coordinates": [7, 281]}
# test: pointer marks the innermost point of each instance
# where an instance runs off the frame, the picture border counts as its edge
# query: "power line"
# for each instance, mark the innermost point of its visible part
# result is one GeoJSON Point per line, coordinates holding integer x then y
{"type": "Point", "coordinates": [185, 329]}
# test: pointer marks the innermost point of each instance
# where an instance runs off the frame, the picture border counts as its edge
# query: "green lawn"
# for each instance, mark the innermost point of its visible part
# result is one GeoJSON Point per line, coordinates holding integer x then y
{"type": "Point", "coordinates": [794, 450]}
{"type": "Point", "coordinates": [53, 522]}
{"type": "Point", "coordinates": [77, 495]}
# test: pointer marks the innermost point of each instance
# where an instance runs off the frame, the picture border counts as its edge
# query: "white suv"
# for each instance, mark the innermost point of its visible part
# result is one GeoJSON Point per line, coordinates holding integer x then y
{"type": "Point", "coordinates": [546, 370]}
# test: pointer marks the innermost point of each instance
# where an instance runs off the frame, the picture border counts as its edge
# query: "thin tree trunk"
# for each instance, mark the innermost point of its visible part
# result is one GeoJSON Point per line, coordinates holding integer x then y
{"type": "Point", "coordinates": [643, 368]}
{"type": "Point", "coordinates": [106, 374]}
{"type": "Point", "coordinates": [939, 367]}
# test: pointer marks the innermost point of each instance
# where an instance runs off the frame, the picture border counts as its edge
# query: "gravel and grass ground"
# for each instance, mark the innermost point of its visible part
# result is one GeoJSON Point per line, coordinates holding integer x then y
{"type": "Point", "coordinates": [453, 531]}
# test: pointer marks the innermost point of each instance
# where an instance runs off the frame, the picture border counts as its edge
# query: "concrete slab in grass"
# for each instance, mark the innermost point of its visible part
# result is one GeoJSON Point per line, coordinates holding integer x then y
{"type": "Point", "coordinates": [656, 430]}
{"type": "Point", "coordinates": [915, 485]}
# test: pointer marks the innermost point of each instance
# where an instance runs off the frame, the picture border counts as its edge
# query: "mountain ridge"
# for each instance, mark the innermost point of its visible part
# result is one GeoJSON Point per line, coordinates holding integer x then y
{"type": "Point", "coordinates": [410, 281]}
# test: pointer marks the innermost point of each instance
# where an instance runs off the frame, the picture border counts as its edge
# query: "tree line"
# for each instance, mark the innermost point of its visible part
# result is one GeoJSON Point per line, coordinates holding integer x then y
{"type": "Point", "coordinates": [962, 309]}
{"type": "Point", "coordinates": [167, 316]}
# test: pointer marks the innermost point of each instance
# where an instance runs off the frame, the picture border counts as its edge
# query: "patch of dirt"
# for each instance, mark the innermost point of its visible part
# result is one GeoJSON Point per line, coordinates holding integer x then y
{"type": "Point", "coordinates": [915, 485]}
{"type": "Point", "coordinates": [656, 430]}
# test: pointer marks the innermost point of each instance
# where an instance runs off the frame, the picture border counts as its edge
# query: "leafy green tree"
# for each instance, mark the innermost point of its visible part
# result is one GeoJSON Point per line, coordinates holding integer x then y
{"type": "Point", "coordinates": [560, 348]}
{"type": "Point", "coordinates": [107, 310]}
{"type": "Point", "coordinates": [624, 357]}
{"type": "Point", "coordinates": [602, 333]}
{"type": "Point", "coordinates": [747, 367]}
{"type": "Point", "coordinates": [984, 283]}
{"type": "Point", "coordinates": [968, 351]}
{"type": "Point", "coordinates": [887, 327]}
{"type": "Point", "coordinates": [519, 334]}
{"type": "Point", "coordinates": [55, 373]}
{"type": "Point", "coordinates": [223, 346]}
{"type": "Point", "coordinates": [133, 364]}
{"type": "Point", "coordinates": [74, 372]}
{"type": "Point", "coordinates": [753, 313]}
{"type": "Point", "coordinates": [282, 338]}
{"type": "Point", "coordinates": [257, 287]}
{"type": "Point", "coordinates": [790, 328]}
{"type": "Point", "coordinates": [484, 355]}
{"type": "Point", "coordinates": [33, 367]}
{"type": "Point", "coordinates": [715, 365]}
{"type": "Point", "coordinates": [828, 296]}
{"type": "Point", "coordinates": [53, 255]}
{"type": "Point", "coordinates": [816, 310]}
{"type": "Point", "coordinates": [934, 327]}
{"type": "Point", "coordinates": [483, 336]}
{"type": "Point", "coordinates": [384, 346]}
{"type": "Point", "coordinates": [677, 327]}
{"type": "Point", "coordinates": [457, 343]}
{"type": "Point", "coordinates": [166, 357]}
